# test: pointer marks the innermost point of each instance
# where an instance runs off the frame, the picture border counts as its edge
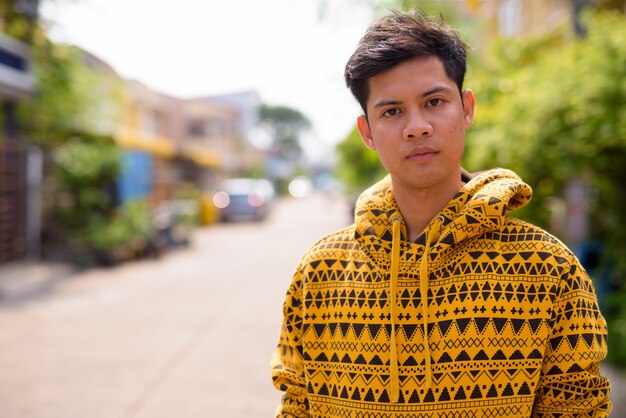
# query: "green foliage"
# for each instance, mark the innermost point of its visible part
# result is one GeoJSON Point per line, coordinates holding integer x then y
{"type": "Point", "coordinates": [359, 167]}
{"type": "Point", "coordinates": [554, 109]}
{"type": "Point", "coordinates": [617, 328]}
{"type": "Point", "coordinates": [129, 229]}
{"type": "Point", "coordinates": [255, 171]}
{"type": "Point", "coordinates": [80, 163]}
{"type": "Point", "coordinates": [71, 96]}
{"type": "Point", "coordinates": [73, 113]}
{"type": "Point", "coordinates": [49, 115]}
{"type": "Point", "coordinates": [284, 125]}
{"type": "Point", "coordinates": [85, 173]}
{"type": "Point", "coordinates": [15, 23]}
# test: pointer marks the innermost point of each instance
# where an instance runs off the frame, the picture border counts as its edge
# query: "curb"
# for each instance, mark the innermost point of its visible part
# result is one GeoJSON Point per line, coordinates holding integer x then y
{"type": "Point", "coordinates": [24, 279]}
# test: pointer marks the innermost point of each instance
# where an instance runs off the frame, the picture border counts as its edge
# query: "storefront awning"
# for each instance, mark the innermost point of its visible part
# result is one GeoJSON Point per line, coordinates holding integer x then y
{"type": "Point", "coordinates": [157, 145]}
{"type": "Point", "coordinates": [202, 156]}
{"type": "Point", "coordinates": [165, 147]}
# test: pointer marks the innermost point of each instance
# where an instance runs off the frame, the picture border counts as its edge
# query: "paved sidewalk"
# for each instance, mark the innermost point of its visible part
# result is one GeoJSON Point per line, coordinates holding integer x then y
{"type": "Point", "coordinates": [618, 389]}
{"type": "Point", "coordinates": [26, 279]}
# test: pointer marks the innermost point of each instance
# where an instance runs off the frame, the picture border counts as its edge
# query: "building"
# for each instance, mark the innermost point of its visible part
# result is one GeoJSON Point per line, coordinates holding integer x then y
{"type": "Point", "coordinates": [247, 104]}
{"type": "Point", "coordinates": [171, 142]}
{"type": "Point", "coordinates": [19, 206]}
{"type": "Point", "coordinates": [533, 17]}
{"type": "Point", "coordinates": [527, 17]}
{"type": "Point", "coordinates": [211, 126]}
{"type": "Point", "coordinates": [149, 168]}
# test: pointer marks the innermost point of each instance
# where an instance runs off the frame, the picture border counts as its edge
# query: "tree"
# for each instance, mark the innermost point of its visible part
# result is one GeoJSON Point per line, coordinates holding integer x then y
{"type": "Point", "coordinates": [72, 116]}
{"type": "Point", "coordinates": [553, 110]}
{"type": "Point", "coordinates": [560, 106]}
{"type": "Point", "coordinates": [72, 98]}
{"type": "Point", "coordinates": [19, 18]}
{"type": "Point", "coordinates": [358, 165]}
{"type": "Point", "coordinates": [284, 126]}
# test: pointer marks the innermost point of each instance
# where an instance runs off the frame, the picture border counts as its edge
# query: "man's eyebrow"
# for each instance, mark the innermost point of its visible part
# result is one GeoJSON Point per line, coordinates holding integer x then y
{"type": "Point", "coordinates": [437, 89]}
{"type": "Point", "coordinates": [384, 103]}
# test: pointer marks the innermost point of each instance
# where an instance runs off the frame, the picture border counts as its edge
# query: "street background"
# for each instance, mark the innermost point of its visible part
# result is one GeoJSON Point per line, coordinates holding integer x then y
{"type": "Point", "coordinates": [126, 125]}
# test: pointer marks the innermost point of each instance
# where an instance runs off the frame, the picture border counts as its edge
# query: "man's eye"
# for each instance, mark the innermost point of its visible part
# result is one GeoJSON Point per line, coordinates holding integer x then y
{"type": "Point", "coordinates": [434, 102]}
{"type": "Point", "coordinates": [391, 112]}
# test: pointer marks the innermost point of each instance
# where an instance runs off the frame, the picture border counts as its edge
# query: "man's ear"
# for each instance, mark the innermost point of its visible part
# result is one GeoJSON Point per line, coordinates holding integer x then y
{"type": "Point", "coordinates": [468, 107]}
{"type": "Point", "coordinates": [366, 133]}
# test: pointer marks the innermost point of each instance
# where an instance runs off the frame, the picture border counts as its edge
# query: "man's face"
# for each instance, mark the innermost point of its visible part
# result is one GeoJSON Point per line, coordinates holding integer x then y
{"type": "Point", "coordinates": [416, 123]}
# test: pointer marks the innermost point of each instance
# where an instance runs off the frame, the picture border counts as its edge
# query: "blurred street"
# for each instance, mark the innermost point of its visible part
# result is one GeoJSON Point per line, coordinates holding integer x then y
{"type": "Point", "coordinates": [135, 161]}
{"type": "Point", "coordinates": [188, 335]}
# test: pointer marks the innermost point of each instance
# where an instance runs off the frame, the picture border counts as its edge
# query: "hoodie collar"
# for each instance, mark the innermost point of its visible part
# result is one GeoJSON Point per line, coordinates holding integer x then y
{"type": "Point", "coordinates": [480, 206]}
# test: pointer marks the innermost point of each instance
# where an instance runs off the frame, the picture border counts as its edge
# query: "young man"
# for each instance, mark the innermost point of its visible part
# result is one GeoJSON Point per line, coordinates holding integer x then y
{"type": "Point", "coordinates": [435, 303]}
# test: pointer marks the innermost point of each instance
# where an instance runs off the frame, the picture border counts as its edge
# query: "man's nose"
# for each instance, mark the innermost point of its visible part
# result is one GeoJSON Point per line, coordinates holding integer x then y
{"type": "Point", "coordinates": [417, 126]}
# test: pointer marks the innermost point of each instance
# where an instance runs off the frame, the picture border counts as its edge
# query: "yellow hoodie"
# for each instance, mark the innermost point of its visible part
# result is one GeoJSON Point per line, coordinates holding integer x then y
{"type": "Point", "coordinates": [483, 315]}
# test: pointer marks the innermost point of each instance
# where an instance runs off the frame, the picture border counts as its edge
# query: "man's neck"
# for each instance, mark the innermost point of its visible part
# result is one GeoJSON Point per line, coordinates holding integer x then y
{"type": "Point", "coordinates": [420, 206]}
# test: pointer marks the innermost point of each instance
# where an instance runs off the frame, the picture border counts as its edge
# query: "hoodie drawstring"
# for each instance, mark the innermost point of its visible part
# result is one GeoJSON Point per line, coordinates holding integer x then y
{"type": "Point", "coordinates": [393, 349]}
{"type": "Point", "coordinates": [424, 295]}
{"type": "Point", "coordinates": [423, 274]}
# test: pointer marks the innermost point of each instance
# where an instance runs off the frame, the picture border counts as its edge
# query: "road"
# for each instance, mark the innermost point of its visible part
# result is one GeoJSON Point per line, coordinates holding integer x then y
{"type": "Point", "coordinates": [187, 335]}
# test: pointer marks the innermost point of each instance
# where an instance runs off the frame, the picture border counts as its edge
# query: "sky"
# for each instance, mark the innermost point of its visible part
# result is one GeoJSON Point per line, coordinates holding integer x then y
{"type": "Point", "coordinates": [292, 52]}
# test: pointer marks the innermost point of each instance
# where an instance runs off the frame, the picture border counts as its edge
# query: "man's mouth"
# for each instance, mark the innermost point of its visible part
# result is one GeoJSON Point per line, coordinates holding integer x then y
{"type": "Point", "coordinates": [421, 155]}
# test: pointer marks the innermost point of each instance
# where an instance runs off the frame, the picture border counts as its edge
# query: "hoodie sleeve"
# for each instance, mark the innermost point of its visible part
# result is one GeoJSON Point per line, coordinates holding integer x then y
{"type": "Point", "coordinates": [570, 384]}
{"type": "Point", "coordinates": [287, 361]}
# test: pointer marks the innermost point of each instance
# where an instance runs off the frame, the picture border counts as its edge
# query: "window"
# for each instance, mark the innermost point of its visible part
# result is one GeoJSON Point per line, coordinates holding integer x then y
{"type": "Point", "coordinates": [195, 128]}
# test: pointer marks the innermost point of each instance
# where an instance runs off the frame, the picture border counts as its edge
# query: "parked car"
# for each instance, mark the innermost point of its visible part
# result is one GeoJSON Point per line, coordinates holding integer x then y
{"type": "Point", "coordinates": [244, 199]}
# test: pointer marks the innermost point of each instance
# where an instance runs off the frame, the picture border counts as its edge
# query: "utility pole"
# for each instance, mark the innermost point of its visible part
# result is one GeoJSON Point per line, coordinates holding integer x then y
{"type": "Point", "coordinates": [577, 8]}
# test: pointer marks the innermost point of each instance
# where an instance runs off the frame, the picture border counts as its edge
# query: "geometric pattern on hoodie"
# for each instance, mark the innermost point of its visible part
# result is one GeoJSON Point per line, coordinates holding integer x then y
{"type": "Point", "coordinates": [513, 327]}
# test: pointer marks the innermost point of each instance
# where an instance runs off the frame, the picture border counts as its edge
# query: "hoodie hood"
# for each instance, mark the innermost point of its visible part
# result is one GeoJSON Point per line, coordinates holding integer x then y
{"type": "Point", "coordinates": [480, 206]}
